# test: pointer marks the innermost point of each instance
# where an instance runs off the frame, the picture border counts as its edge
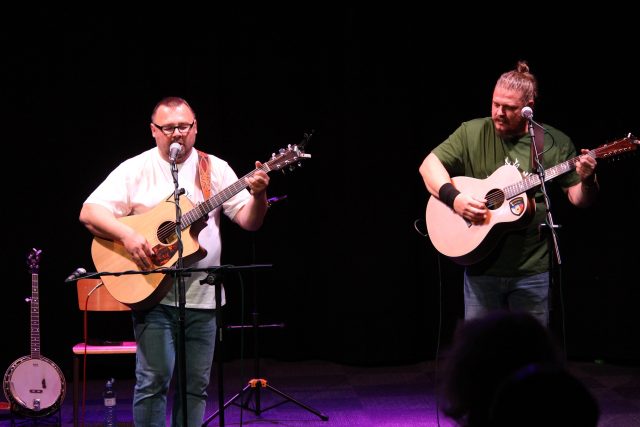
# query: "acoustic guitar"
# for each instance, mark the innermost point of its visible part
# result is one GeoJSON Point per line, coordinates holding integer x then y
{"type": "Point", "coordinates": [158, 225]}
{"type": "Point", "coordinates": [508, 203]}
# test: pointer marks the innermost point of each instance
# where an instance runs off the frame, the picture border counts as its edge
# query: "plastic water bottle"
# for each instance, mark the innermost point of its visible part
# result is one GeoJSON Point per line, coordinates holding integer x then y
{"type": "Point", "coordinates": [109, 397]}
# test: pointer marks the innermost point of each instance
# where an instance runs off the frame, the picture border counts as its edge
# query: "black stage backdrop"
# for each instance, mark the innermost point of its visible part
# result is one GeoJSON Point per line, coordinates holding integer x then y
{"type": "Point", "coordinates": [353, 280]}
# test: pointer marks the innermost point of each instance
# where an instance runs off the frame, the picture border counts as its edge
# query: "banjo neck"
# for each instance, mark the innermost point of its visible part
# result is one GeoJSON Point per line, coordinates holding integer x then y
{"type": "Point", "coordinates": [35, 316]}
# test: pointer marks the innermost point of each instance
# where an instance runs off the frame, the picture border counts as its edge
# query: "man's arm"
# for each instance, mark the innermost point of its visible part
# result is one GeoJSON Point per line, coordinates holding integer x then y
{"type": "Point", "coordinates": [251, 215]}
{"type": "Point", "coordinates": [438, 183]}
{"type": "Point", "coordinates": [434, 174]}
{"type": "Point", "coordinates": [103, 223]}
{"type": "Point", "coordinates": [584, 193]}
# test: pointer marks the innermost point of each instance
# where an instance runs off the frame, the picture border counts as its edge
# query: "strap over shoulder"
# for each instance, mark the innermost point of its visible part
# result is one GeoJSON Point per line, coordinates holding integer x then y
{"type": "Point", "coordinates": [204, 170]}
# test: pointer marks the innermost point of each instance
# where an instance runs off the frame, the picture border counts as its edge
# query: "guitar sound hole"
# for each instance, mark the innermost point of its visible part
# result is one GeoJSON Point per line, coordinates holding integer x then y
{"type": "Point", "coordinates": [495, 199]}
{"type": "Point", "coordinates": [167, 246]}
{"type": "Point", "coordinates": [167, 233]}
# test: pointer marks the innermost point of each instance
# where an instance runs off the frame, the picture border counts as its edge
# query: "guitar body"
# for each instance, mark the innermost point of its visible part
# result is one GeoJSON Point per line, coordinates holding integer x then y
{"type": "Point", "coordinates": [467, 243]}
{"type": "Point", "coordinates": [35, 386]}
{"type": "Point", "coordinates": [141, 291]}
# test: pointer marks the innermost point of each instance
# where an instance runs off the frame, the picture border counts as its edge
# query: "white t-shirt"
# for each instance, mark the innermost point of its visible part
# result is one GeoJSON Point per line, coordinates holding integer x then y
{"type": "Point", "coordinates": [140, 183]}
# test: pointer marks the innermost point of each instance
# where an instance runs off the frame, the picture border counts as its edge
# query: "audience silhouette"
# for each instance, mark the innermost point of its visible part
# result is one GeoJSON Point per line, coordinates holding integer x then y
{"type": "Point", "coordinates": [506, 356]}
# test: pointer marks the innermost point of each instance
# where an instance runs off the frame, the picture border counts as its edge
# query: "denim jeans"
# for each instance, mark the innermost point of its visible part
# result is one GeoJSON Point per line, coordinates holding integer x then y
{"type": "Point", "coordinates": [156, 333]}
{"type": "Point", "coordinates": [485, 293]}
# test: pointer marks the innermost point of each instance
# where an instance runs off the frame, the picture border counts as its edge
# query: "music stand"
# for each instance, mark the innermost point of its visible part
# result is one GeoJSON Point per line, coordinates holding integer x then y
{"type": "Point", "coordinates": [214, 277]}
{"type": "Point", "coordinates": [255, 384]}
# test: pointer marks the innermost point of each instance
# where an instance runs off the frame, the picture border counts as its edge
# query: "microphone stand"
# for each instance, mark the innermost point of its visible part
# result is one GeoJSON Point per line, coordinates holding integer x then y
{"type": "Point", "coordinates": [179, 277]}
{"type": "Point", "coordinates": [538, 167]}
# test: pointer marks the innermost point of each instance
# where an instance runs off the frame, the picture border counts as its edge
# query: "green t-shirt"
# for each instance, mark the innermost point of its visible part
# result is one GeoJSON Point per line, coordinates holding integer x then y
{"type": "Point", "coordinates": [475, 150]}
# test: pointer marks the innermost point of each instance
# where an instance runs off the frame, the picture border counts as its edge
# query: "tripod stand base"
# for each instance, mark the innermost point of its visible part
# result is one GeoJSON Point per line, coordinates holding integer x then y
{"type": "Point", "coordinates": [253, 389]}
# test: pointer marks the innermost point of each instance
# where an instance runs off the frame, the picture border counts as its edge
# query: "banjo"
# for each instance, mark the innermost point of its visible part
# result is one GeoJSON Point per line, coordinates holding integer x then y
{"type": "Point", "coordinates": [34, 385]}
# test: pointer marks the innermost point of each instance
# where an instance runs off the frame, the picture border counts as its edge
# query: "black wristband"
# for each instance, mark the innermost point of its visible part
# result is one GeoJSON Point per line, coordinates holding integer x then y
{"type": "Point", "coordinates": [447, 194]}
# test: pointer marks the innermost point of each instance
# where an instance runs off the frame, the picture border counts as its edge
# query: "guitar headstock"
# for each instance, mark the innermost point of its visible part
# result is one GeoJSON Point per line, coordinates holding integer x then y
{"type": "Point", "coordinates": [289, 157]}
{"type": "Point", "coordinates": [621, 146]}
{"type": "Point", "coordinates": [33, 260]}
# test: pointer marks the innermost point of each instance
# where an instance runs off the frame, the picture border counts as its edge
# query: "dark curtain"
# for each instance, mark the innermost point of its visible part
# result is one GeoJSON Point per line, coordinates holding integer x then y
{"type": "Point", "coordinates": [354, 280]}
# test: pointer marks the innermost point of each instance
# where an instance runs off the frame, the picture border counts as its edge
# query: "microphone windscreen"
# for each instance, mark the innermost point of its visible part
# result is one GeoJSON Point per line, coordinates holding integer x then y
{"type": "Point", "coordinates": [174, 150]}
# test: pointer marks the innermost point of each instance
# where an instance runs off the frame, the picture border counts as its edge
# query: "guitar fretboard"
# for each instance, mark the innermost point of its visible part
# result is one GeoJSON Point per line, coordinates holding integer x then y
{"type": "Point", "coordinates": [212, 203]}
{"type": "Point", "coordinates": [287, 157]}
{"type": "Point", "coordinates": [533, 180]}
{"type": "Point", "coordinates": [616, 148]}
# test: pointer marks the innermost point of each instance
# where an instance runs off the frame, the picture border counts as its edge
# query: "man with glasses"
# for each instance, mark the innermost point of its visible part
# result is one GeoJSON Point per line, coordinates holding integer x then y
{"type": "Point", "coordinates": [138, 185]}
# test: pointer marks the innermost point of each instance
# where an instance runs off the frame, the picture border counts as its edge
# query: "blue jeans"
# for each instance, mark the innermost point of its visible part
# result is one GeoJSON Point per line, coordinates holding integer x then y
{"type": "Point", "coordinates": [156, 333]}
{"type": "Point", "coordinates": [486, 293]}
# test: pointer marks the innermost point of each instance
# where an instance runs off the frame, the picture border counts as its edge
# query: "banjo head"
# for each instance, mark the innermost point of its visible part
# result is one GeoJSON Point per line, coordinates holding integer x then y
{"type": "Point", "coordinates": [34, 386]}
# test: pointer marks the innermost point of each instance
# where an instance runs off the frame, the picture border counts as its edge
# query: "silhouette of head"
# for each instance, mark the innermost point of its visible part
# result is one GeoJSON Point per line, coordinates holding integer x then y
{"type": "Point", "coordinates": [485, 352]}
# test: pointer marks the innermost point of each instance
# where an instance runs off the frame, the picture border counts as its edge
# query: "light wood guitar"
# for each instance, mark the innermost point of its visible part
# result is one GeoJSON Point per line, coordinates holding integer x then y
{"type": "Point", "coordinates": [509, 205]}
{"type": "Point", "coordinates": [158, 225]}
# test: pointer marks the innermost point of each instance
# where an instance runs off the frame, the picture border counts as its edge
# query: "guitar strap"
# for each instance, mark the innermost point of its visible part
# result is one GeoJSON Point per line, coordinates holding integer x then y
{"type": "Point", "coordinates": [539, 137]}
{"type": "Point", "coordinates": [204, 170]}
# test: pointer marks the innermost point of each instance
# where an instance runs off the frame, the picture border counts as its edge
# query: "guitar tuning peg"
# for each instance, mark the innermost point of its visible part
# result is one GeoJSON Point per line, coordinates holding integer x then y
{"type": "Point", "coordinates": [27, 299]}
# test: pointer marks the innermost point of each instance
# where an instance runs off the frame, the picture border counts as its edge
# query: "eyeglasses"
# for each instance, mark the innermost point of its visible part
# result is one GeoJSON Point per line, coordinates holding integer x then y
{"type": "Point", "coordinates": [168, 130]}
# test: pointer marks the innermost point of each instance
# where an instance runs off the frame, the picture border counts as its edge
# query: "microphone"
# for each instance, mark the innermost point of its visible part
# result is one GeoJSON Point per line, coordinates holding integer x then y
{"type": "Point", "coordinates": [174, 149]}
{"type": "Point", "coordinates": [78, 272]}
{"type": "Point", "coordinates": [527, 113]}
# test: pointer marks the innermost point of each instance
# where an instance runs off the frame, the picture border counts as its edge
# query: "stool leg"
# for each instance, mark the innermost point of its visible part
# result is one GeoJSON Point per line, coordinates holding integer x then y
{"type": "Point", "coordinates": [75, 389]}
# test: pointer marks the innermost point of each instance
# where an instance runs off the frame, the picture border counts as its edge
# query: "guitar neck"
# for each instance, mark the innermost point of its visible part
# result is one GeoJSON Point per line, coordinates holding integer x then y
{"type": "Point", "coordinates": [285, 159]}
{"type": "Point", "coordinates": [214, 201]}
{"type": "Point", "coordinates": [533, 180]}
{"type": "Point", "coordinates": [35, 317]}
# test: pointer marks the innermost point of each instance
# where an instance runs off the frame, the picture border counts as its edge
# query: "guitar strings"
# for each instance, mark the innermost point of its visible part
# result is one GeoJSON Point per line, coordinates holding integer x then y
{"type": "Point", "coordinates": [497, 197]}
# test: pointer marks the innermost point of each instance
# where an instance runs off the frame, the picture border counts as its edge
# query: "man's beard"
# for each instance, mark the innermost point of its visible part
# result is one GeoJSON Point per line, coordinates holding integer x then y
{"type": "Point", "coordinates": [507, 133]}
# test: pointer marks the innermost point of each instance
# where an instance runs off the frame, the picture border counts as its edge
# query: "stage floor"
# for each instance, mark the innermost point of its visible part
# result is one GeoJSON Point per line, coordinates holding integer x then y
{"type": "Point", "coordinates": [351, 395]}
